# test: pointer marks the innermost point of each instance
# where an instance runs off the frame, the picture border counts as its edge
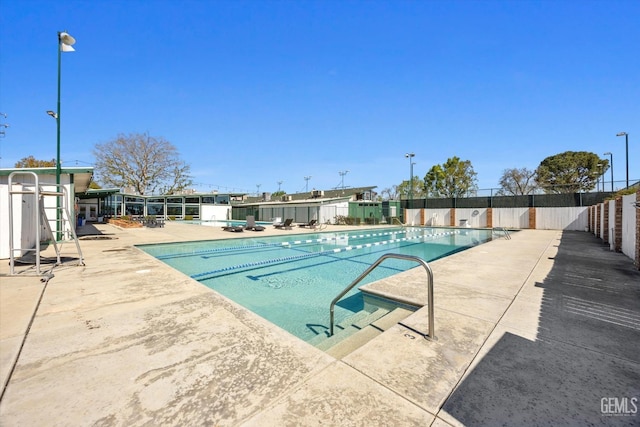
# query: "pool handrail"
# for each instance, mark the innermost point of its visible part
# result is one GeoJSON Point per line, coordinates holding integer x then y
{"type": "Point", "coordinates": [398, 221]}
{"type": "Point", "coordinates": [371, 268]}
{"type": "Point", "coordinates": [504, 230]}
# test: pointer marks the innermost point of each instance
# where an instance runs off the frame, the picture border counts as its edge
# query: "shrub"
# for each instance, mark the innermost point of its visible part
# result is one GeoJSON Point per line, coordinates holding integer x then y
{"type": "Point", "coordinates": [340, 220]}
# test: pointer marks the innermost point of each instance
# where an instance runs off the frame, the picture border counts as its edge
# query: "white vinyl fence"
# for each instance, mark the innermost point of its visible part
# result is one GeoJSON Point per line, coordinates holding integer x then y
{"type": "Point", "coordinates": [437, 217]}
{"type": "Point", "coordinates": [629, 213]}
{"type": "Point", "coordinates": [575, 218]}
{"type": "Point", "coordinates": [563, 218]}
{"type": "Point", "coordinates": [510, 217]}
{"type": "Point", "coordinates": [611, 231]}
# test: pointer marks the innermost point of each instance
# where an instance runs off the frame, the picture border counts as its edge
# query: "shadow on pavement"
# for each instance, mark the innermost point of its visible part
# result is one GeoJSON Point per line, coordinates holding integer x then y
{"type": "Point", "coordinates": [583, 368]}
{"type": "Point", "coordinates": [89, 232]}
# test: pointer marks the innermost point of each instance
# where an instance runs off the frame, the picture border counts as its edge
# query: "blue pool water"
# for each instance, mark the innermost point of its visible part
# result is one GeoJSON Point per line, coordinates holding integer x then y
{"type": "Point", "coordinates": [291, 280]}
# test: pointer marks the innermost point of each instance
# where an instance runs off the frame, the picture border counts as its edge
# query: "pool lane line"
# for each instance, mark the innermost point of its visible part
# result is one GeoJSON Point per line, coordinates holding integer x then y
{"type": "Point", "coordinates": [331, 258]}
{"type": "Point", "coordinates": [200, 276]}
{"type": "Point", "coordinates": [275, 245]}
{"type": "Point", "coordinates": [297, 242]}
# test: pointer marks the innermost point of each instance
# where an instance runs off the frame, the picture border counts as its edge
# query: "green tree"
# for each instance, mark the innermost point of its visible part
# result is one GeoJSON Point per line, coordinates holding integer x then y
{"type": "Point", "coordinates": [418, 188]}
{"type": "Point", "coordinates": [570, 172]}
{"type": "Point", "coordinates": [517, 182]}
{"type": "Point", "coordinates": [32, 162]}
{"type": "Point", "coordinates": [454, 178]}
{"type": "Point", "coordinates": [143, 163]}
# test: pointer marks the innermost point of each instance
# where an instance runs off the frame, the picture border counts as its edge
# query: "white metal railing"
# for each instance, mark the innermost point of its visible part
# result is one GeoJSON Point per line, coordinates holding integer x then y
{"type": "Point", "coordinates": [63, 222]}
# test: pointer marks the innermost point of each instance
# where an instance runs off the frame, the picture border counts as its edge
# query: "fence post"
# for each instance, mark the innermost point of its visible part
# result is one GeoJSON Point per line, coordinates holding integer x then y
{"type": "Point", "coordinates": [532, 218]}
{"type": "Point", "coordinates": [617, 239]}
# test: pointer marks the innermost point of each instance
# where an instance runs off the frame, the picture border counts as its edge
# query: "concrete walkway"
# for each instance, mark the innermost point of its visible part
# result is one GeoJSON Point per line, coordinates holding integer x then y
{"type": "Point", "coordinates": [534, 330]}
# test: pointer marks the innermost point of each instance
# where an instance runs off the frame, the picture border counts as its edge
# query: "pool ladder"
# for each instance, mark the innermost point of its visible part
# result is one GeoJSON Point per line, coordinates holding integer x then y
{"type": "Point", "coordinates": [505, 232]}
{"type": "Point", "coordinates": [400, 223]}
{"type": "Point", "coordinates": [420, 261]}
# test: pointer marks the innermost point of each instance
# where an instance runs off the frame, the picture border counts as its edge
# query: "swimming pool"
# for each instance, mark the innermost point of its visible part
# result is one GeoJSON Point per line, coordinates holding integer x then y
{"type": "Point", "coordinates": [290, 280]}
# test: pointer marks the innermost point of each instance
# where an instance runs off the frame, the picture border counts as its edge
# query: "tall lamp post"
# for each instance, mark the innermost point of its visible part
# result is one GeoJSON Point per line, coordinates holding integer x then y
{"type": "Point", "coordinates": [65, 41]}
{"type": "Point", "coordinates": [610, 163]}
{"type": "Point", "coordinates": [626, 140]}
{"type": "Point", "coordinates": [410, 156]}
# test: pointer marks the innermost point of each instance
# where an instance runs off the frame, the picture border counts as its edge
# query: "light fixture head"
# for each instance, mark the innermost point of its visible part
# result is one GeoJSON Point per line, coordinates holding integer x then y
{"type": "Point", "coordinates": [66, 38]}
{"type": "Point", "coordinates": [409, 155]}
{"type": "Point", "coordinates": [52, 114]}
{"type": "Point", "coordinates": [621, 134]}
{"type": "Point", "coordinates": [607, 154]}
{"type": "Point", "coordinates": [65, 41]}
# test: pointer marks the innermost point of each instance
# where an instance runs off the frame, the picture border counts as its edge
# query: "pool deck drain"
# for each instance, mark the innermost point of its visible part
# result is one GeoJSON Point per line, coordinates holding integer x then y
{"type": "Point", "coordinates": [534, 330]}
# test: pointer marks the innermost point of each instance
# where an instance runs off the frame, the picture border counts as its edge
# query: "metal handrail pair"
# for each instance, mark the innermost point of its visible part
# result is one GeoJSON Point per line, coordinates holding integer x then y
{"type": "Point", "coordinates": [376, 264]}
{"type": "Point", "coordinates": [507, 236]}
{"type": "Point", "coordinates": [398, 221]}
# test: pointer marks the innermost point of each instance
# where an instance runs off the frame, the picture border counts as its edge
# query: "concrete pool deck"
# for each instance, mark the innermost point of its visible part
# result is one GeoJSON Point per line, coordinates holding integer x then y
{"type": "Point", "coordinates": [534, 330]}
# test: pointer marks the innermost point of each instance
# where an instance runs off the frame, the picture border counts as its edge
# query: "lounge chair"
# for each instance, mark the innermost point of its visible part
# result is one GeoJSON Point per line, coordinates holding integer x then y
{"type": "Point", "coordinates": [233, 228]}
{"type": "Point", "coordinates": [286, 225]}
{"type": "Point", "coordinates": [251, 224]}
{"type": "Point", "coordinates": [310, 224]}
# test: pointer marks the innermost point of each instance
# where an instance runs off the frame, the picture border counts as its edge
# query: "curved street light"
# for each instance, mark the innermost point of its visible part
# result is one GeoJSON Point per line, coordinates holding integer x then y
{"type": "Point", "coordinates": [65, 41]}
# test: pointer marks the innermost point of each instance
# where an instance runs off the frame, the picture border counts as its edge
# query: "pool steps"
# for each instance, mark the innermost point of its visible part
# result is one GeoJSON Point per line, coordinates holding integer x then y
{"type": "Point", "coordinates": [348, 326]}
{"type": "Point", "coordinates": [361, 337]}
{"type": "Point", "coordinates": [358, 329]}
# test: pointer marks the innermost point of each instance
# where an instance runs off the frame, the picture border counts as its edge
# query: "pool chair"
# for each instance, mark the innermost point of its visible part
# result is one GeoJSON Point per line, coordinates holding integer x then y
{"type": "Point", "coordinates": [310, 224]}
{"type": "Point", "coordinates": [286, 225]}
{"type": "Point", "coordinates": [233, 228]}
{"type": "Point", "coordinates": [251, 224]}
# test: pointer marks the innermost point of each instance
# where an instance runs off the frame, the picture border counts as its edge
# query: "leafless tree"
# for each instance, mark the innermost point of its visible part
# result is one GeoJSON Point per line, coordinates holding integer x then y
{"type": "Point", "coordinates": [143, 163]}
{"type": "Point", "coordinates": [517, 182]}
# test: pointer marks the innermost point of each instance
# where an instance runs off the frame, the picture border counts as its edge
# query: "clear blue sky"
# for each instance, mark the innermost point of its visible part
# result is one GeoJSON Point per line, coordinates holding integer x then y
{"type": "Point", "coordinates": [256, 92]}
